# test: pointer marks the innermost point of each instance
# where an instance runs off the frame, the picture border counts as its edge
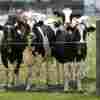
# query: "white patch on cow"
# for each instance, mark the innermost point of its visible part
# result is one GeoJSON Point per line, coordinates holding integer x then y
{"type": "Point", "coordinates": [1, 37]}
{"type": "Point", "coordinates": [19, 32]}
{"type": "Point", "coordinates": [84, 20]}
{"type": "Point", "coordinates": [39, 16]}
{"type": "Point", "coordinates": [9, 26]}
{"type": "Point", "coordinates": [45, 39]}
{"type": "Point", "coordinates": [67, 12]}
{"type": "Point", "coordinates": [61, 27]}
{"type": "Point", "coordinates": [30, 22]}
{"type": "Point", "coordinates": [53, 28]}
{"type": "Point", "coordinates": [81, 28]}
{"type": "Point", "coordinates": [16, 24]}
{"type": "Point", "coordinates": [81, 23]}
{"type": "Point", "coordinates": [74, 21]}
{"type": "Point", "coordinates": [3, 19]}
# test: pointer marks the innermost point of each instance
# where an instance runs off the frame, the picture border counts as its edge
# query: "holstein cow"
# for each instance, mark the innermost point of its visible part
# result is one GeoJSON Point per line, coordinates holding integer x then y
{"type": "Point", "coordinates": [40, 46]}
{"type": "Point", "coordinates": [70, 45]}
{"type": "Point", "coordinates": [78, 46]}
{"type": "Point", "coordinates": [75, 47]}
{"type": "Point", "coordinates": [44, 39]}
{"type": "Point", "coordinates": [43, 42]}
{"type": "Point", "coordinates": [13, 43]}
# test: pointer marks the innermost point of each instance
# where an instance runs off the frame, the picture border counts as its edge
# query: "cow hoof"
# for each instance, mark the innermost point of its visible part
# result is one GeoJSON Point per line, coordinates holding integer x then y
{"type": "Point", "coordinates": [80, 90]}
{"type": "Point", "coordinates": [12, 83]}
{"type": "Point", "coordinates": [9, 86]}
{"type": "Point", "coordinates": [6, 86]}
{"type": "Point", "coordinates": [66, 90]}
{"type": "Point", "coordinates": [28, 88]}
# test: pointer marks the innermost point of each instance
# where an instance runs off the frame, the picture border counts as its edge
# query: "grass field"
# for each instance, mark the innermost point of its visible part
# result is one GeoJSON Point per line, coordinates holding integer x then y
{"type": "Point", "coordinates": [44, 96]}
{"type": "Point", "coordinates": [89, 84]}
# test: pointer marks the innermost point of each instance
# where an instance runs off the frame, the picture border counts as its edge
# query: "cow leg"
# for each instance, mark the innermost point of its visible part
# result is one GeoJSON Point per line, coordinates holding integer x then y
{"type": "Point", "coordinates": [68, 75]}
{"type": "Point", "coordinates": [29, 78]}
{"type": "Point", "coordinates": [5, 62]}
{"type": "Point", "coordinates": [47, 72]}
{"type": "Point", "coordinates": [58, 72]}
{"type": "Point", "coordinates": [79, 86]}
{"type": "Point", "coordinates": [83, 69]}
{"type": "Point", "coordinates": [28, 60]}
{"type": "Point", "coordinates": [17, 75]}
{"type": "Point", "coordinates": [66, 81]}
{"type": "Point", "coordinates": [38, 65]}
{"type": "Point", "coordinates": [74, 73]}
{"type": "Point", "coordinates": [16, 71]}
{"type": "Point", "coordinates": [7, 77]}
{"type": "Point", "coordinates": [71, 73]}
{"type": "Point", "coordinates": [13, 78]}
{"type": "Point", "coordinates": [72, 81]}
{"type": "Point", "coordinates": [63, 73]}
{"type": "Point", "coordinates": [77, 76]}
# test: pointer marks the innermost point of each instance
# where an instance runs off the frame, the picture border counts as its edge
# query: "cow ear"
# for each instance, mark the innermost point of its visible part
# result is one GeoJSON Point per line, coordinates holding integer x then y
{"type": "Point", "coordinates": [1, 27]}
{"type": "Point", "coordinates": [91, 28]}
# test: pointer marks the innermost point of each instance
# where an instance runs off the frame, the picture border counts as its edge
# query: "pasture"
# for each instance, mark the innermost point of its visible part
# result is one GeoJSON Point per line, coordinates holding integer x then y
{"type": "Point", "coordinates": [39, 77]}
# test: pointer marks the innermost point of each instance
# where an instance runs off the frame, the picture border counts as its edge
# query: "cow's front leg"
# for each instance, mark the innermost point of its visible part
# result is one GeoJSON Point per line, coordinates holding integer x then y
{"type": "Point", "coordinates": [7, 78]}
{"type": "Point", "coordinates": [58, 73]}
{"type": "Point", "coordinates": [77, 76]}
{"type": "Point", "coordinates": [28, 60]}
{"type": "Point", "coordinates": [16, 71]}
{"type": "Point", "coordinates": [5, 62]}
{"type": "Point", "coordinates": [68, 77]}
{"type": "Point", "coordinates": [29, 78]}
{"type": "Point", "coordinates": [16, 77]}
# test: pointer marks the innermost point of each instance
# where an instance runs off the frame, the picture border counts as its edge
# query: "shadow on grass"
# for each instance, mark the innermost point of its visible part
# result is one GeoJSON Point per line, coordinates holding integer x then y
{"type": "Point", "coordinates": [89, 80]}
{"type": "Point", "coordinates": [53, 88]}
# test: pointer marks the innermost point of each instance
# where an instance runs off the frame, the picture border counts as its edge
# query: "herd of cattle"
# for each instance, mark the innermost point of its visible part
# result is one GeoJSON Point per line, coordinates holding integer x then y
{"type": "Point", "coordinates": [27, 34]}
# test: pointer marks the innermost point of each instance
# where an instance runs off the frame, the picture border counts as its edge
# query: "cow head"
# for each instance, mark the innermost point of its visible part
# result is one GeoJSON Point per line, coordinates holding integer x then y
{"type": "Point", "coordinates": [72, 33]}
{"type": "Point", "coordinates": [82, 25]}
{"type": "Point", "coordinates": [67, 12]}
{"type": "Point", "coordinates": [24, 25]}
{"type": "Point", "coordinates": [8, 33]}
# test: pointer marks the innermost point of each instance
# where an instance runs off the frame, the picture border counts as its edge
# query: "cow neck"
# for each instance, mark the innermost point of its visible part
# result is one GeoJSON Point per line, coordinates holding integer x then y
{"type": "Point", "coordinates": [45, 39]}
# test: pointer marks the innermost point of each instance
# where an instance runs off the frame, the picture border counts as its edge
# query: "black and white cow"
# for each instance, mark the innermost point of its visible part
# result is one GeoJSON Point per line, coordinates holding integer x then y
{"type": "Point", "coordinates": [13, 43]}
{"type": "Point", "coordinates": [76, 32]}
{"type": "Point", "coordinates": [70, 44]}
{"type": "Point", "coordinates": [42, 40]}
{"type": "Point", "coordinates": [78, 45]}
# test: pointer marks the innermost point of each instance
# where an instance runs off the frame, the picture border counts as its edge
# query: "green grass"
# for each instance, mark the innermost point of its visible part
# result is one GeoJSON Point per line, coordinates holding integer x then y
{"type": "Point", "coordinates": [44, 96]}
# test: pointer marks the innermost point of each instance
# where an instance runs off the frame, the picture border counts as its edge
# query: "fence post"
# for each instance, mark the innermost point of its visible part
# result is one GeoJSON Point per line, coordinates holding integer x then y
{"type": "Point", "coordinates": [98, 57]}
